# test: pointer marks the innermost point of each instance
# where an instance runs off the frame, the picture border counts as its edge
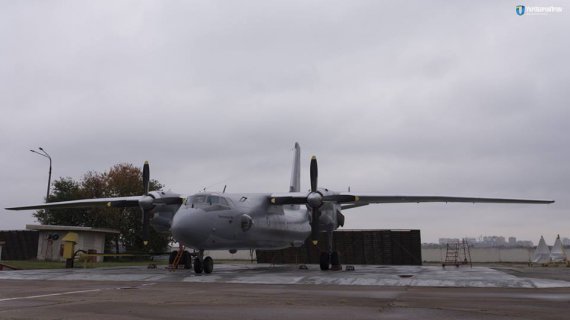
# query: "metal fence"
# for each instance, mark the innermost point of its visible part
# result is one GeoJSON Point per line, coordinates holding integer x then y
{"type": "Point", "coordinates": [380, 247]}
{"type": "Point", "coordinates": [19, 245]}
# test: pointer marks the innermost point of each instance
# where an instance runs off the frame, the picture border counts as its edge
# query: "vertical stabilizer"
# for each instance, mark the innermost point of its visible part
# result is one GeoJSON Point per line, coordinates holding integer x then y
{"type": "Point", "coordinates": [295, 185]}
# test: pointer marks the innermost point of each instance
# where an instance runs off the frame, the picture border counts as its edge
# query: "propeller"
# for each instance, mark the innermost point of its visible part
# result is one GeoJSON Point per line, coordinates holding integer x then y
{"type": "Point", "coordinates": [146, 203]}
{"type": "Point", "coordinates": [315, 201]}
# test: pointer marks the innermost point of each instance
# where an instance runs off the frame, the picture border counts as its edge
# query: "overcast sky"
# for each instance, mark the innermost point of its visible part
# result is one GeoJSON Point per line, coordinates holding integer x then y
{"type": "Point", "coordinates": [396, 98]}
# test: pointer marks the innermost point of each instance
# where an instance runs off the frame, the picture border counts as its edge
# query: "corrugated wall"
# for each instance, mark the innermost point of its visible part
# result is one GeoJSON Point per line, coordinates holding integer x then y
{"type": "Point", "coordinates": [19, 245]}
{"type": "Point", "coordinates": [381, 247]}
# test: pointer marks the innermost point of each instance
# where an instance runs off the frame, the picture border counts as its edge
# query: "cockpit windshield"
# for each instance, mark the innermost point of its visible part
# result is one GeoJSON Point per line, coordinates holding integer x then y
{"type": "Point", "coordinates": [206, 200]}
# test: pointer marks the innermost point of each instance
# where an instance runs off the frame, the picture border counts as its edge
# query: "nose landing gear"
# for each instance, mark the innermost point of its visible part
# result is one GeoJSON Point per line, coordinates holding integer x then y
{"type": "Point", "coordinates": [202, 264]}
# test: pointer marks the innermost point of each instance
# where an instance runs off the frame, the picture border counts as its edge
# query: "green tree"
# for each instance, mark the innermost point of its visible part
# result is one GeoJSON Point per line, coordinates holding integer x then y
{"type": "Point", "coordinates": [119, 181]}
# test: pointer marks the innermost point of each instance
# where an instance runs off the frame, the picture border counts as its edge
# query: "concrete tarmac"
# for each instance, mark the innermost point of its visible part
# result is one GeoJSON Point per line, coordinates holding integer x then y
{"type": "Point", "coordinates": [282, 292]}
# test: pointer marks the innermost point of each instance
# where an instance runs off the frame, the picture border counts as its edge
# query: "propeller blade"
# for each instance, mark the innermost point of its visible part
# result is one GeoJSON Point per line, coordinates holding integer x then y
{"type": "Point", "coordinates": [146, 177]}
{"type": "Point", "coordinates": [146, 205]}
{"type": "Point", "coordinates": [314, 174]}
{"type": "Point", "coordinates": [145, 226]}
{"type": "Point", "coordinates": [315, 225]}
{"type": "Point", "coordinates": [314, 200]}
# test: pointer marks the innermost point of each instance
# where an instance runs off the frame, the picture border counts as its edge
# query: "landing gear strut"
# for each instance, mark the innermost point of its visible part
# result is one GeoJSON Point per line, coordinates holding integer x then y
{"type": "Point", "coordinates": [202, 264]}
{"type": "Point", "coordinates": [330, 259]}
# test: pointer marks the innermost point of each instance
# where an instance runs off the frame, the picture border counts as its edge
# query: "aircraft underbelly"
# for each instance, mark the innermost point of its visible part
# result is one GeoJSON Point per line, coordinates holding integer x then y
{"type": "Point", "coordinates": [267, 231]}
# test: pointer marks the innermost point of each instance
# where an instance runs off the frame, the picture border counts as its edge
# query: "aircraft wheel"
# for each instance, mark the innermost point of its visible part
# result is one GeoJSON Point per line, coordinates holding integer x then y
{"type": "Point", "coordinates": [198, 268]}
{"type": "Point", "coordinates": [208, 265]}
{"type": "Point", "coordinates": [325, 261]}
{"type": "Point", "coordinates": [172, 257]}
{"type": "Point", "coordinates": [335, 261]}
{"type": "Point", "coordinates": [186, 260]}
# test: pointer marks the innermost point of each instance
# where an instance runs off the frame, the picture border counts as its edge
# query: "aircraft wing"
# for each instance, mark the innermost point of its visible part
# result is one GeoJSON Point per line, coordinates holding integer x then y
{"type": "Point", "coordinates": [365, 199]}
{"type": "Point", "coordinates": [353, 200]}
{"type": "Point", "coordinates": [120, 202]}
{"type": "Point", "coordinates": [288, 198]}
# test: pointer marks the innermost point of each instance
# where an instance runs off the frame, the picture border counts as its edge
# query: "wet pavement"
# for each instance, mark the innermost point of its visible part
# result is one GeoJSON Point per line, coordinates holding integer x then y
{"type": "Point", "coordinates": [415, 276]}
{"type": "Point", "coordinates": [282, 292]}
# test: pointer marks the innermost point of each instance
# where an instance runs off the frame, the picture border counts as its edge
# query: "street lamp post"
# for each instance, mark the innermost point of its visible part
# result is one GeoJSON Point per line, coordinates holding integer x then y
{"type": "Point", "coordinates": [43, 153]}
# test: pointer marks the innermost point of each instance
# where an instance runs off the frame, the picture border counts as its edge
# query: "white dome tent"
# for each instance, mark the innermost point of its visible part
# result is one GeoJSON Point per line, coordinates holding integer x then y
{"type": "Point", "coordinates": [542, 252]}
{"type": "Point", "coordinates": [558, 254]}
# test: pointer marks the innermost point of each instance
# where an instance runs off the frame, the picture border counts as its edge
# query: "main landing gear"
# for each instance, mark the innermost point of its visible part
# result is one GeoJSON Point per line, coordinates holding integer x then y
{"type": "Point", "coordinates": [180, 258]}
{"type": "Point", "coordinates": [184, 258]}
{"type": "Point", "coordinates": [202, 264]}
{"type": "Point", "coordinates": [330, 259]}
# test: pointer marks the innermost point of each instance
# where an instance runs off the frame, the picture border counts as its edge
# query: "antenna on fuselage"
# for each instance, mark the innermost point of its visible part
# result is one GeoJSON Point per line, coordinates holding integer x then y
{"type": "Point", "coordinates": [224, 188]}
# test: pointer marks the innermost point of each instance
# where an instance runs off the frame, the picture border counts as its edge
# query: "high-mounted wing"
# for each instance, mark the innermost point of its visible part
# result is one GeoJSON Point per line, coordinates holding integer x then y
{"type": "Point", "coordinates": [365, 199]}
{"type": "Point", "coordinates": [145, 202]}
{"type": "Point", "coordinates": [120, 202]}
{"type": "Point", "coordinates": [315, 198]}
{"type": "Point", "coordinates": [352, 200]}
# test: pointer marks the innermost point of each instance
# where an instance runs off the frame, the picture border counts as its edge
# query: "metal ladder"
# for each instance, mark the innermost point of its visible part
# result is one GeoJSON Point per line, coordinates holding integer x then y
{"type": "Point", "coordinates": [452, 253]}
{"type": "Point", "coordinates": [177, 259]}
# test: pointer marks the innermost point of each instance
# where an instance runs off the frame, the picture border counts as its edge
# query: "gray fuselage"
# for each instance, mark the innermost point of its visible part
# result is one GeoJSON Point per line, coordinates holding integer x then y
{"type": "Point", "coordinates": [239, 221]}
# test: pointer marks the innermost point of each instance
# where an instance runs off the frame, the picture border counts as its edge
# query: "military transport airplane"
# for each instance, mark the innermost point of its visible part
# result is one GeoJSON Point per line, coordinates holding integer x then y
{"type": "Point", "coordinates": [235, 221]}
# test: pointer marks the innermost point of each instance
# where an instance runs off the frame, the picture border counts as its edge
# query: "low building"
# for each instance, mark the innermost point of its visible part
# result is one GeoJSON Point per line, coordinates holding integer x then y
{"type": "Point", "coordinates": [50, 245]}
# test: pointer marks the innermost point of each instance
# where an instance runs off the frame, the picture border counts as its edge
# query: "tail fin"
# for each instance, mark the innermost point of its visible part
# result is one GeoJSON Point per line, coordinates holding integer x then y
{"type": "Point", "coordinates": [295, 185]}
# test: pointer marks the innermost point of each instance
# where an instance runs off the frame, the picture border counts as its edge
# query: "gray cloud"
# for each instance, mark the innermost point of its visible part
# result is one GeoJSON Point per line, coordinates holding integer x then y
{"type": "Point", "coordinates": [394, 98]}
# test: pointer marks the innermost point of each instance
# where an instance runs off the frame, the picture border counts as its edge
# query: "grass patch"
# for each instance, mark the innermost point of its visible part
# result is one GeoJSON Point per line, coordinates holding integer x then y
{"type": "Point", "coordinates": [35, 264]}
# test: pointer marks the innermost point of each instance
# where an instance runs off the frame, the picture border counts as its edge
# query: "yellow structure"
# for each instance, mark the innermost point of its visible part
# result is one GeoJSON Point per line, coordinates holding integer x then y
{"type": "Point", "coordinates": [69, 242]}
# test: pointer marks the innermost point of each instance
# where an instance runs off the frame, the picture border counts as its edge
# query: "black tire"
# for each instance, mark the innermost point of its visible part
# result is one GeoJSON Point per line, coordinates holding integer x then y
{"type": "Point", "coordinates": [198, 266]}
{"type": "Point", "coordinates": [208, 265]}
{"type": "Point", "coordinates": [172, 257]}
{"type": "Point", "coordinates": [325, 261]}
{"type": "Point", "coordinates": [186, 260]}
{"type": "Point", "coordinates": [335, 260]}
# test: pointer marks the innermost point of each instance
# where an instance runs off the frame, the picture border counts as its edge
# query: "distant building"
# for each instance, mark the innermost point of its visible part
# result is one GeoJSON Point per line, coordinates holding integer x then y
{"type": "Point", "coordinates": [525, 244]}
{"type": "Point", "coordinates": [494, 241]}
{"type": "Point", "coordinates": [444, 241]}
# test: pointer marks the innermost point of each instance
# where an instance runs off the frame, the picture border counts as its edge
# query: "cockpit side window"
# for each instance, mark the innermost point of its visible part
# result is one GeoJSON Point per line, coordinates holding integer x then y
{"type": "Point", "coordinates": [212, 200]}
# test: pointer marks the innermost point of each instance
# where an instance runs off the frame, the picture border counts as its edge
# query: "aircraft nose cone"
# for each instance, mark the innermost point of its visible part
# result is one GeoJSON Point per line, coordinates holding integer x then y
{"type": "Point", "coordinates": [191, 227]}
